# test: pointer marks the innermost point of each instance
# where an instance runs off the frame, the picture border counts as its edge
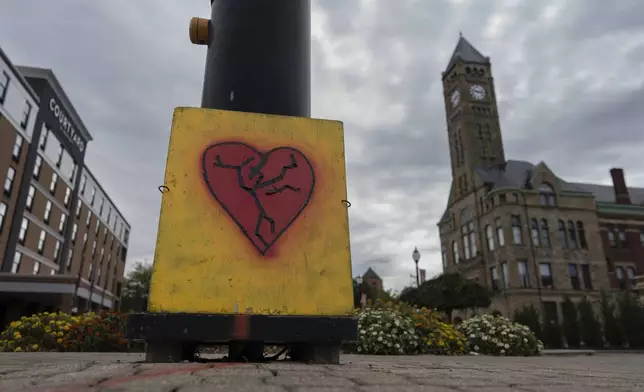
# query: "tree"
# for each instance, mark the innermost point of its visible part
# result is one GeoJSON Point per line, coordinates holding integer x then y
{"type": "Point", "coordinates": [447, 292]}
{"type": "Point", "coordinates": [632, 320]}
{"type": "Point", "coordinates": [136, 288]}
{"type": "Point", "coordinates": [590, 326]}
{"type": "Point", "coordinates": [570, 325]}
{"type": "Point", "coordinates": [529, 316]}
{"type": "Point", "coordinates": [612, 328]}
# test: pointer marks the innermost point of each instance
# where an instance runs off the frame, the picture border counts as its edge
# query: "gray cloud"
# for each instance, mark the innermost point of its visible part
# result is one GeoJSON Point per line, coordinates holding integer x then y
{"type": "Point", "coordinates": [569, 78]}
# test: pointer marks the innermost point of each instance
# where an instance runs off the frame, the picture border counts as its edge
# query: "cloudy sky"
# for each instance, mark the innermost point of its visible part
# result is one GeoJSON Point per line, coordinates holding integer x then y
{"type": "Point", "coordinates": [569, 79]}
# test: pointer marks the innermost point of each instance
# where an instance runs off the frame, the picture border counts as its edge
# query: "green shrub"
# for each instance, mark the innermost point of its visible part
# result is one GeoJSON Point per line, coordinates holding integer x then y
{"type": "Point", "coordinates": [490, 335]}
{"type": "Point", "coordinates": [570, 325]}
{"type": "Point", "coordinates": [529, 316]}
{"type": "Point", "coordinates": [612, 329]}
{"type": "Point", "coordinates": [632, 320]}
{"type": "Point", "coordinates": [552, 334]}
{"type": "Point", "coordinates": [591, 333]}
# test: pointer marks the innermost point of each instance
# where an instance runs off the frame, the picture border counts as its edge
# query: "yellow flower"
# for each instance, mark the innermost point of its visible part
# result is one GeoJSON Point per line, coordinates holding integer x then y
{"type": "Point", "coordinates": [66, 328]}
{"type": "Point", "coordinates": [17, 349]}
{"type": "Point", "coordinates": [59, 340]}
{"type": "Point", "coordinates": [35, 347]}
{"type": "Point", "coordinates": [16, 335]}
{"type": "Point", "coordinates": [15, 324]}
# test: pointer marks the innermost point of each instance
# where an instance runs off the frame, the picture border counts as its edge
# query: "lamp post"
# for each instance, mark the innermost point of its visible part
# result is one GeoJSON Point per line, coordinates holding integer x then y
{"type": "Point", "coordinates": [416, 256]}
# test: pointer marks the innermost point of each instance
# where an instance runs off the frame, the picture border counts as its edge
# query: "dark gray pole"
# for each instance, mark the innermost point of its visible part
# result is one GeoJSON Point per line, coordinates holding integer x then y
{"type": "Point", "coordinates": [259, 57]}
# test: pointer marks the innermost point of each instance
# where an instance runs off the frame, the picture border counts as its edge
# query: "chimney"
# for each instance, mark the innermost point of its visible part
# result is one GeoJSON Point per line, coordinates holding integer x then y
{"type": "Point", "coordinates": [619, 185]}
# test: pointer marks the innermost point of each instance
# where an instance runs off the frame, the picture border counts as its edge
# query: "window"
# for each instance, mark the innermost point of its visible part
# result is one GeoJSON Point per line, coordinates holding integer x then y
{"type": "Point", "coordinates": [506, 275]}
{"type": "Point", "coordinates": [89, 271]}
{"type": "Point", "coordinates": [545, 272]}
{"type": "Point", "coordinates": [642, 237]}
{"type": "Point", "coordinates": [517, 237]}
{"type": "Point", "coordinates": [59, 158]}
{"type": "Point", "coordinates": [572, 235]}
{"type": "Point", "coordinates": [52, 272]}
{"type": "Point", "coordinates": [495, 279]}
{"type": "Point", "coordinates": [100, 210]}
{"type": "Point", "coordinates": [585, 274]}
{"type": "Point", "coordinates": [17, 148]}
{"type": "Point", "coordinates": [70, 257]}
{"type": "Point", "coordinates": [47, 211]}
{"type": "Point", "coordinates": [56, 251]}
{"type": "Point", "coordinates": [489, 234]}
{"type": "Point", "coordinates": [43, 139]}
{"type": "Point", "coordinates": [611, 236]}
{"type": "Point", "coordinates": [502, 198]}
{"type": "Point", "coordinates": [94, 249]}
{"type": "Point", "coordinates": [89, 218]}
{"type": "Point", "coordinates": [36, 268]}
{"type": "Point", "coordinates": [443, 250]}
{"type": "Point", "coordinates": [454, 251]}
{"type": "Point", "coordinates": [105, 235]}
{"type": "Point", "coordinates": [52, 184]}
{"type": "Point", "coordinates": [563, 238]}
{"type": "Point", "coordinates": [499, 231]}
{"type": "Point", "coordinates": [630, 274]}
{"type": "Point", "coordinates": [22, 234]}
{"type": "Point", "coordinates": [8, 182]}
{"type": "Point", "coordinates": [30, 197]}
{"type": "Point", "coordinates": [93, 196]}
{"type": "Point", "coordinates": [621, 234]}
{"type": "Point", "coordinates": [524, 279]}
{"type": "Point", "coordinates": [3, 213]}
{"type": "Point", "coordinates": [619, 274]}
{"type": "Point", "coordinates": [78, 209]}
{"type": "Point", "coordinates": [37, 167]}
{"type": "Point", "coordinates": [25, 115]}
{"type": "Point", "coordinates": [15, 265]}
{"type": "Point", "coordinates": [74, 232]}
{"type": "Point", "coordinates": [534, 232]}
{"type": "Point", "coordinates": [98, 225]}
{"type": "Point", "coordinates": [581, 233]}
{"type": "Point", "coordinates": [68, 194]}
{"type": "Point", "coordinates": [109, 215]}
{"type": "Point", "coordinates": [83, 184]}
{"type": "Point", "coordinates": [41, 241]}
{"type": "Point", "coordinates": [516, 198]}
{"type": "Point", "coordinates": [573, 273]}
{"type": "Point", "coordinates": [546, 195]}
{"type": "Point", "coordinates": [545, 233]}
{"type": "Point", "coordinates": [72, 177]}
{"type": "Point", "coordinates": [98, 276]}
{"type": "Point", "coordinates": [102, 254]}
{"type": "Point", "coordinates": [4, 86]}
{"type": "Point", "coordinates": [63, 220]}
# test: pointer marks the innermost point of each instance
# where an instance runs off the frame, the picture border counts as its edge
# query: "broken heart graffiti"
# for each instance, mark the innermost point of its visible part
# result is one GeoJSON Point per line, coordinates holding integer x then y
{"type": "Point", "coordinates": [263, 192]}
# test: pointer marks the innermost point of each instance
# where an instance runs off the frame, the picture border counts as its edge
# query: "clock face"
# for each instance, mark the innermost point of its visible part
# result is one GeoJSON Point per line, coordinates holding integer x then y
{"type": "Point", "coordinates": [477, 91]}
{"type": "Point", "coordinates": [455, 97]}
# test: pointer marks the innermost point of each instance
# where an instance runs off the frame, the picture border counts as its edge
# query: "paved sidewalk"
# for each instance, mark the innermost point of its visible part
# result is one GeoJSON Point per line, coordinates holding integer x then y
{"type": "Point", "coordinates": [125, 372]}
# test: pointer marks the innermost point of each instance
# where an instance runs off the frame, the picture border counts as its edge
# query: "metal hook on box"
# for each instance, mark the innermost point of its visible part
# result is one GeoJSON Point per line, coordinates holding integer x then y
{"type": "Point", "coordinates": [347, 203]}
{"type": "Point", "coordinates": [164, 189]}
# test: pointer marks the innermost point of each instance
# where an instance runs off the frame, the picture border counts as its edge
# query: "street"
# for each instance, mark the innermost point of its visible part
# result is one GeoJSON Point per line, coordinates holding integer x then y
{"type": "Point", "coordinates": [82, 372]}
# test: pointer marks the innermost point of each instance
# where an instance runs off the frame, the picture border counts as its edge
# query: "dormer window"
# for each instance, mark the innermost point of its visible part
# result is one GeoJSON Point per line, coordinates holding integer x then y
{"type": "Point", "coordinates": [546, 195]}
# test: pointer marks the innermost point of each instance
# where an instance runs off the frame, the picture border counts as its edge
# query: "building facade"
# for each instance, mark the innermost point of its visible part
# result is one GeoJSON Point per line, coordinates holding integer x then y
{"type": "Point", "coordinates": [518, 228]}
{"type": "Point", "coordinates": [63, 242]}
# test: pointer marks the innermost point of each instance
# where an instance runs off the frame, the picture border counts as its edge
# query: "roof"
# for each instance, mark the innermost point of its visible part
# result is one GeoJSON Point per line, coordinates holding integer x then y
{"type": "Point", "coordinates": [48, 75]}
{"type": "Point", "coordinates": [467, 53]}
{"type": "Point", "coordinates": [371, 274]}
{"type": "Point", "coordinates": [518, 175]}
{"type": "Point", "coordinates": [22, 79]}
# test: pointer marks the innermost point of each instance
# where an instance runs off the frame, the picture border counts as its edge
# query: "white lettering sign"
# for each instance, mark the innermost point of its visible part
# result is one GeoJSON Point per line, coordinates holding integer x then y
{"type": "Point", "coordinates": [66, 125]}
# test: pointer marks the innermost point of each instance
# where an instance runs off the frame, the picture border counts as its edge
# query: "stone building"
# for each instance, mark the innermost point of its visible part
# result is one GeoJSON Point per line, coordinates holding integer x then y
{"type": "Point", "coordinates": [517, 227]}
{"type": "Point", "coordinates": [373, 279]}
{"type": "Point", "coordinates": [63, 241]}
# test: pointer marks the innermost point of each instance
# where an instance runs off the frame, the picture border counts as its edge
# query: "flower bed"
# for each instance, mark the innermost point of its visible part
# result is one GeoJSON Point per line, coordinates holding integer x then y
{"type": "Point", "coordinates": [63, 332]}
{"type": "Point", "coordinates": [495, 335]}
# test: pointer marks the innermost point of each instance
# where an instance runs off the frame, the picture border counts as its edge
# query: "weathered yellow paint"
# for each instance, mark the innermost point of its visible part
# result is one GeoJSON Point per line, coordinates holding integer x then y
{"type": "Point", "coordinates": [204, 264]}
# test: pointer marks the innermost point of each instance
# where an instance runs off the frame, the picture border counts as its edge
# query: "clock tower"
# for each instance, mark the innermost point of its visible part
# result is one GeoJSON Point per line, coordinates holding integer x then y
{"type": "Point", "coordinates": [473, 127]}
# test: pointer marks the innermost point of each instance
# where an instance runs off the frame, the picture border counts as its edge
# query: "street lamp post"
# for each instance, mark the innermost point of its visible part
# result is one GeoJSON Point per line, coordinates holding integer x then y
{"type": "Point", "coordinates": [416, 256]}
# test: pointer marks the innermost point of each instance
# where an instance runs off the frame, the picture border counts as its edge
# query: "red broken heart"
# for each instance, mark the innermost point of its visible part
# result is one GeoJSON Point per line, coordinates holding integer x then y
{"type": "Point", "coordinates": [263, 193]}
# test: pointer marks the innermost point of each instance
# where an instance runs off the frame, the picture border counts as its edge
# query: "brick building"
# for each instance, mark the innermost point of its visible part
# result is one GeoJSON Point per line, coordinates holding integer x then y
{"type": "Point", "coordinates": [63, 242]}
{"type": "Point", "coordinates": [517, 227]}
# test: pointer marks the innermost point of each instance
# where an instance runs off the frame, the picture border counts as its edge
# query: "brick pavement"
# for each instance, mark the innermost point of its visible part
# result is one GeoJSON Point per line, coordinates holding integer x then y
{"type": "Point", "coordinates": [71, 372]}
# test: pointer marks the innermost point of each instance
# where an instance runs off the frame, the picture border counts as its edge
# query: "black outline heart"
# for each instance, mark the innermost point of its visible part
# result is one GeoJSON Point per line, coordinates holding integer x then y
{"type": "Point", "coordinates": [260, 155]}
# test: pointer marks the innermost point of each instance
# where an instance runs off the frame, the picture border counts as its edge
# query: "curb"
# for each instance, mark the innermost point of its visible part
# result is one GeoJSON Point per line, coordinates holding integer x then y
{"type": "Point", "coordinates": [568, 353]}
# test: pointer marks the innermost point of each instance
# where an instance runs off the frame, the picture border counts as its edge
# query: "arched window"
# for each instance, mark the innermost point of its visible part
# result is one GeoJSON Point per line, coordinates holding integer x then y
{"type": "Point", "coordinates": [611, 236]}
{"type": "Point", "coordinates": [563, 238]}
{"type": "Point", "coordinates": [546, 194]}
{"type": "Point", "coordinates": [455, 251]}
{"type": "Point", "coordinates": [489, 234]}
{"type": "Point", "coordinates": [444, 256]}
{"type": "Point", "coordinates": [468, 235]}
{"type": "Point", "coordinates": [534, 232]}
{"type": "Point", "coordinates": [572, 235]}
{"type": "Point", "coordinates": [581, 233]}
{"type": "Point", "coordinates": [545, 234]}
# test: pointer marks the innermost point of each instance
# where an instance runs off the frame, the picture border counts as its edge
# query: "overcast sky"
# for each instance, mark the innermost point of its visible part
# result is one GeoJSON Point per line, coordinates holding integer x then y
{"type": "Point", "coordinates": [569, 79]}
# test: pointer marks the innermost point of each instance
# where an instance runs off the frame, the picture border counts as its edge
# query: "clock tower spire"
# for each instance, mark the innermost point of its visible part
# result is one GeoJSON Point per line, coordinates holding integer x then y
{"type": "Point", "coordinates": [473, 127]}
